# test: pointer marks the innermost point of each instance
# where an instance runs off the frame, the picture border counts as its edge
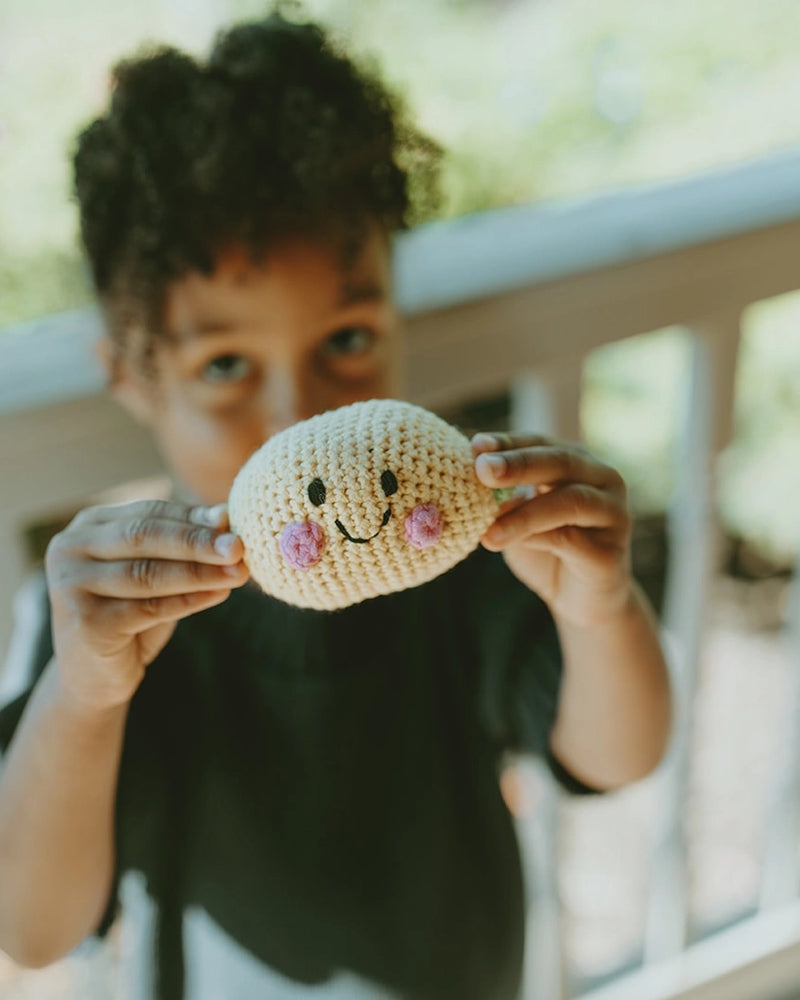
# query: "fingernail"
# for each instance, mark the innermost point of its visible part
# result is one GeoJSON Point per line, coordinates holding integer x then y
{"type": "Point", "coordinates": [209, 515]}
{"type": "Point", "coordinates": [494, 465]}
{"type": "Point", "coordinates": [494, 537]}
{"type": "Point", "coordinates": [223, 544]}
{"type": "Point", "coordinates": [484, 440]}
{"type": "Point", "coordinates": [497, 534]}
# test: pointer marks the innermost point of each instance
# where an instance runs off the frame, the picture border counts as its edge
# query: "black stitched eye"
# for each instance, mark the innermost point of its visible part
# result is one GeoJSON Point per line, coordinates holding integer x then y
{"type": "Point", "coordinates": [389, 483]}
{"type": "Point", "coordinates": [316, 492]}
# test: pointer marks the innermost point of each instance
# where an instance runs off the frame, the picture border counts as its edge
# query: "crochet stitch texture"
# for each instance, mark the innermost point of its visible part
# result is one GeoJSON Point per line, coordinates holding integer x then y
{"type": "Point", "coordinates": [365, 500]}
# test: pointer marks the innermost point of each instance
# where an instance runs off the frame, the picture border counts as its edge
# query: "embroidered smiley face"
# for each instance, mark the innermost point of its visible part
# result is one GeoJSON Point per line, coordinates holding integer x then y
{"type": "Point", "coordinates": [317, 494]}
{"type": "Point", "coordinates": [357, 502]}
{"type": "Point", "coordinates": [302, 543]}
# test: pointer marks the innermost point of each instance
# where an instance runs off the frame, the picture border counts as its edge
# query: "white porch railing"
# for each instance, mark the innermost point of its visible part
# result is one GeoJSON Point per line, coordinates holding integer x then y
{"type": "Point", "coordinates": [518, 298]}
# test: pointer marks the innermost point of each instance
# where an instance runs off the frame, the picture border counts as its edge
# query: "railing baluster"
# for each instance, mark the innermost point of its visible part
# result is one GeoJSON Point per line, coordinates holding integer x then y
{"type": "Point", "coordinates": [545, 402]}
{"type": "Point", "coordinates": [12, 570]}
{"type": "Point", "coordinates": [537, 828]}
{"type": "Point", "coordinates": [706, 424]}
{"type": "Point", "coordinates": [780, 880]}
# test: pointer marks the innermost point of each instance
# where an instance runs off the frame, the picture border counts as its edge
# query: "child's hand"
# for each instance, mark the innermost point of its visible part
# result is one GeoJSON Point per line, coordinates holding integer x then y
{"type": "Point", "coordinates": [570, 541]}
{"type": "Point", "coordinates": [120, 577]}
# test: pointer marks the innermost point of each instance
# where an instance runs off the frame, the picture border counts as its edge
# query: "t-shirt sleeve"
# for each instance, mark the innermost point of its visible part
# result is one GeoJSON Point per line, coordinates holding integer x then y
{"type": "Point", "coordinates": [520, 664]}
{"type": "Point", "coordinates": [30, 650]}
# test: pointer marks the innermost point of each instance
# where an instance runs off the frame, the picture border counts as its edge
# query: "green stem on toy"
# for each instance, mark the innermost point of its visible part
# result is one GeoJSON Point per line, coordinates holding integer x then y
{"type": "Point", "coordinates": [506, 493]}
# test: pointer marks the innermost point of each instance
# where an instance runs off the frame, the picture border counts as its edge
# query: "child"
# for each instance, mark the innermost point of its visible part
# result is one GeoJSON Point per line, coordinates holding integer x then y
{"type": "Point", "coordinates": [288, 803]}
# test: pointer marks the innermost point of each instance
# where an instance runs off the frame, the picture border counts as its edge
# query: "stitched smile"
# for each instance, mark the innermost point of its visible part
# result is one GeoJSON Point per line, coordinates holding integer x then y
{"type": "Point", "coordinates": [350, 538]}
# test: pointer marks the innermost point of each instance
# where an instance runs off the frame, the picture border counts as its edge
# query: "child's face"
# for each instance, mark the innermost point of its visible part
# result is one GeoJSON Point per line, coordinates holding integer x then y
{"type": "Point", "coordinates": [257, 348]}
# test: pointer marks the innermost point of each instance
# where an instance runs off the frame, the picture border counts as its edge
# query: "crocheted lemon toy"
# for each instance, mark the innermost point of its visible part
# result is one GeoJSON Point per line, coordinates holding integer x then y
{"type": "Point", "coordinates": [365, 500]}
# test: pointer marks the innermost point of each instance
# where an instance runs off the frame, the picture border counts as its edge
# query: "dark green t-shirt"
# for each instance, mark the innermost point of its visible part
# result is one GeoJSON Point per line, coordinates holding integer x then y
{"type": "Point", "coordinates": [322, 786]}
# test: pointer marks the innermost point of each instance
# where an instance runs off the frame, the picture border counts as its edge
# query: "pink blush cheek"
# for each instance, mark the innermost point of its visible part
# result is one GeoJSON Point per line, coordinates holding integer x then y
{"type": "Point", "coordinates": [302, 544]}
{"type": "Point", "coordinates": [423, 526]}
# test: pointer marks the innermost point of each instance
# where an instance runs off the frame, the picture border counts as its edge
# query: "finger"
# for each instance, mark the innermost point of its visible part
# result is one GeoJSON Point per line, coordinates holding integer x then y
{"type": "Point", "coordinates": [215, 517]}
{"type": "Point", "coordinates": [505, 441]}
{"type": "Point", "coordinates": [546, 465]}
{"type": "Point", "coordinates": [148, 578]}
{"type": "Point", "coordinates": [131, 617]}
{"type": "Point", "coordinates": [576, 546]}
{"type": "Point", "coordinates": [511, 504]}
{"type": "Point", "coordinates": [155, 538]}
{"type": "Point", "coordinates": [577, 505]}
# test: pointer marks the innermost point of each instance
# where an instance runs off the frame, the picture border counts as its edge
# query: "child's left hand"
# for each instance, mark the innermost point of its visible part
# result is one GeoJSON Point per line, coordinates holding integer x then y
{"type": "Point", "coordinates": [570, 542]}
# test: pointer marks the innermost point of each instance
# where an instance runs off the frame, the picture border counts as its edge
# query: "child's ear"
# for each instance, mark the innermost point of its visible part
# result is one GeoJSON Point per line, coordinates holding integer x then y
{"type": "Point", "coordinates": [126, 384]}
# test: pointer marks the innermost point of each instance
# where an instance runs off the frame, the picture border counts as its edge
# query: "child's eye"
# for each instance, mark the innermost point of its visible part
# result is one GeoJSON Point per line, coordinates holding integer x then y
{"type": "Point", "coordinates": [352, 340]}
{"type": "Point", "coordinates": [227, 368]}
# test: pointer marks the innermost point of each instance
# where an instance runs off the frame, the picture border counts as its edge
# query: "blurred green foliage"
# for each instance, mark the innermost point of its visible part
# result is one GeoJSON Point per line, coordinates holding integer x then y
{"type": "Point", "coordinates": [760, 473]}
{"type": "Point", "coordinates": [533, 100]}
{"type": "Point", "coordinates": [633, 395]}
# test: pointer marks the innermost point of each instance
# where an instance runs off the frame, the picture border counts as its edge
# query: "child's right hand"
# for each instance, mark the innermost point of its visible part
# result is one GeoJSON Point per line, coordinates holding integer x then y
{"type": "Point", "coordinates": [120, 577]}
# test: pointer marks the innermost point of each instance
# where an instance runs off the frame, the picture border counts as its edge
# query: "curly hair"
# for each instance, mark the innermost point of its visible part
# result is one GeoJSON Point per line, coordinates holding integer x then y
{"type": "Point", "coordinates": [277, 134]}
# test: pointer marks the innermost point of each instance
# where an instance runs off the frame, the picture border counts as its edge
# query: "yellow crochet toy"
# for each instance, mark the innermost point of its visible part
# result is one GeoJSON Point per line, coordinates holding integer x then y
{"type": "Point", "coordinates": [365, 500]}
